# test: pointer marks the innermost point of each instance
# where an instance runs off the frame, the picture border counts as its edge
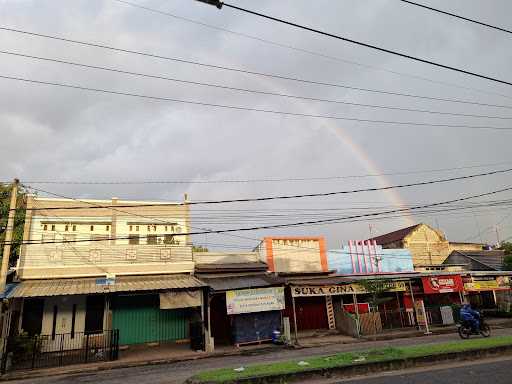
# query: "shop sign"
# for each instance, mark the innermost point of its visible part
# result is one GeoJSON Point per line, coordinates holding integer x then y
{"type": "Point", "coordinates": [500, 282]}
{"type": "Point", "coordinates": [442, 284]}
{"type": "Point", "coordinates": [421, 315]}
{"type": "Point", "coordinates": [346, 289]}
{"type": "Point", "coordinates": [254, 300]}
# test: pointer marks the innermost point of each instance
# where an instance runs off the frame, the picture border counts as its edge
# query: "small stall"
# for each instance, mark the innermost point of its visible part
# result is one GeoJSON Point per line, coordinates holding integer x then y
{"type": "Point", "coordinates": [487, 290]}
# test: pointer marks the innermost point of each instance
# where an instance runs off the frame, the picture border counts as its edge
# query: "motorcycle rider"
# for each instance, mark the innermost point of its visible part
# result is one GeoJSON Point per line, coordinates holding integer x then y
{"type": "Point", "coordinates": [471, 316]}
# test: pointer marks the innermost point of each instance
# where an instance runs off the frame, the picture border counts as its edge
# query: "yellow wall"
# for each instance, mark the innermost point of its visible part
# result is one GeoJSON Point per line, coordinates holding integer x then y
{"type": "Point", "coordinates": [427, 245]}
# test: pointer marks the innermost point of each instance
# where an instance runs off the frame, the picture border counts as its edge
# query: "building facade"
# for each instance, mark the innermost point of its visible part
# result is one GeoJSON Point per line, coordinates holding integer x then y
{"type": "Point", "coordinates": [91, 266]}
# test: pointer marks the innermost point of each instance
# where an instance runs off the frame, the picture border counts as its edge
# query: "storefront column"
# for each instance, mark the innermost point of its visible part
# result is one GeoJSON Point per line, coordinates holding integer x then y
{"type": "Point", "coordinates": [356, 308]}
{"type": "Point", "coordinates": [413, 304]}
{"type": "Point", "coordinates": [295, 321]}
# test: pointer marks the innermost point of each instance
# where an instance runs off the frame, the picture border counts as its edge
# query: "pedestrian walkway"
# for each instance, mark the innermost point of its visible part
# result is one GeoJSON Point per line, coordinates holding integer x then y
{"type": "Point", "coordinates": [176, 368]}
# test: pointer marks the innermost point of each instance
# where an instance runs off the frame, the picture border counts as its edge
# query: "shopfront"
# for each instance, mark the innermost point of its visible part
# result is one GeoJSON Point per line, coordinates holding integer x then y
{"type": "Point", "coordinates": [322, 306]}
{"type": "Point", "coordinates": [487, 292]}
{"type": "Point", "coordinates": [254, 313]}
{"type": "Point", "coordinates": [442, 294]}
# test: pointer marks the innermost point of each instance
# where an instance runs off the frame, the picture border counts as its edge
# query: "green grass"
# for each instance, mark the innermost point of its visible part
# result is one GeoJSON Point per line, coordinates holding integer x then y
{"type": "Point", "coordinates": [349, 358]}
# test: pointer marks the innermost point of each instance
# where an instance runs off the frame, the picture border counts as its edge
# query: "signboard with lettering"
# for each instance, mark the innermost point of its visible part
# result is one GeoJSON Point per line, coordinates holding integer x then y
{"type": "Point", "coordinates": [442, 284]}
{"type": "Point", "coordinates": [346, 289]}
{"type": "Point", "coordinates": [254, 300]}
{"type": "Point", "coordinates": [489, 284]}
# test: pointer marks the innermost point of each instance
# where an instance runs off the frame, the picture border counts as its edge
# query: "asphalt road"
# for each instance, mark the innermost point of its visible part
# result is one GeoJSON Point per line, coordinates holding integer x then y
{"type": "Point", "coordinates": [495, 371]}
{"type": "Point", "coordinates": [178, 372]}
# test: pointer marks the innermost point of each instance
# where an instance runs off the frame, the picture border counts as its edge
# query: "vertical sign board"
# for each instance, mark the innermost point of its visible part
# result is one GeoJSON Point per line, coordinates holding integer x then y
{"type": "Point", "coordinates": [254, 300]}
{"type": "Point", "coordinates": [421, 315]}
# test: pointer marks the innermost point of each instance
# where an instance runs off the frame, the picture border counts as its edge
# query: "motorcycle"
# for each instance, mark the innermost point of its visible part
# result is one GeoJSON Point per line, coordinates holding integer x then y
{"type": "Point", "coordinates": [466, 330]}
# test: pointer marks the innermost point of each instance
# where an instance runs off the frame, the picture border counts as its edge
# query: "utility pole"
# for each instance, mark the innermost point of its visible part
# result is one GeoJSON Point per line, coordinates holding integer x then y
{"type": "Point", "coordinates": [498, 237]}
{"type": "Point", "coordinates": [8, 236]}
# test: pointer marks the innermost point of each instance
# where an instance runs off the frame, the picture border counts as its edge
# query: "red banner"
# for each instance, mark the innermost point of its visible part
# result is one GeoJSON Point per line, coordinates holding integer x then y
{"type": "Point", "coordinates": [361, 307]}
{"type": "Point", "coordinates": [442, 284]}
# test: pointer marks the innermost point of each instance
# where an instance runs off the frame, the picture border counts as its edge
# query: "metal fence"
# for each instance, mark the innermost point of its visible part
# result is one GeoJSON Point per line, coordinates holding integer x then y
{"type": "Point", "coordinates": [44, 351]}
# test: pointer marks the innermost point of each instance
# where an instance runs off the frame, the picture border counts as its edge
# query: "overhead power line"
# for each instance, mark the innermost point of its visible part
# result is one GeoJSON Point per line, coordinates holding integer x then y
{"type": "Point", "coordinates": [308, 51]}
{"type": "Point", "coordinates": [266, 180]}
{"type": "Point", "coordinates": [287, 197]}
{"type": "Point", "coordinates": [456, 16]}
{"type": "Point", "coordinates": [250, 109]}
{"type": "Point", "coordinates": [371, 46]}
{"type": "Point", "coordinates": [344, 219]}
{"type": "Point", "coordinates": [248, 72]}
{"type": "Point", "coordinates": [246, 90]}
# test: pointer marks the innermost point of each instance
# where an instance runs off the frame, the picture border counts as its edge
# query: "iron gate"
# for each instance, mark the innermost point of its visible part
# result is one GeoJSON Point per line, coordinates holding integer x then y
{"type": "Point", "coordinates": [44, 351]}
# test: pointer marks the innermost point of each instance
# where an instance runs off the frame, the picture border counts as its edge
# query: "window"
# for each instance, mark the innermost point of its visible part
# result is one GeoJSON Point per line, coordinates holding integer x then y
{"type": "Point", "coordinates": [92, 227]}
{"type": "Point", "coordinates": [137, 228]}
{"type": "Point", "coordinates": [53, 227]}
{"type": "Point", "coordinates": [45, 227]}
{"type": "Point", "coordinates": [149, 228]}
{"type": "Point", "coordinates": [107, 228]}
{"type": "Point", "coordinates": [66, 228]}
{"type": "Point", "coordinates": [166, 228]}
{"type": "Point", "coordinates": [152, 239]}
{"type": "Point", "coordinates": [154, 228]}
{"type": "Point", "coordinates": [131, 228]}
{"type": "Point", "coordinates": [74, 227]}
{"type": "Point", "coordinates": [133, 239]}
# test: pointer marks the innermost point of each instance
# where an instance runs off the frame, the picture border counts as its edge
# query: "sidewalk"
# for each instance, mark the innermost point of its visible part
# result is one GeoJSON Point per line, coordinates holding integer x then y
{"type": "Point", "coordinates": [314, 342]}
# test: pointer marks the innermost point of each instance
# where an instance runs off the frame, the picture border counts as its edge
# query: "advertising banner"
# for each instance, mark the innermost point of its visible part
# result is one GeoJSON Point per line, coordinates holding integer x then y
{"type": "Point", "coordinates": [254, 300]}
{"type": "Point", "coordinates": [497, 283]}
{"type": "Point", "coordinates": [442, 284]}
{"type": "Point", "coordinates": [346, 289]}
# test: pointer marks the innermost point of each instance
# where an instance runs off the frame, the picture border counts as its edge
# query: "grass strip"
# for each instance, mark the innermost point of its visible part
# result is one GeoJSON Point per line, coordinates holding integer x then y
{"type": "Point", "coordinates": [350, 358]}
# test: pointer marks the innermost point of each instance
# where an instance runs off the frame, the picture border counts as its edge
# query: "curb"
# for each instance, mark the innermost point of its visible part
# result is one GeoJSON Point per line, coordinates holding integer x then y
{"type": "Point", "coordinates": [357, 369]}
{"type": "Point", "coordinates": [107, 366]}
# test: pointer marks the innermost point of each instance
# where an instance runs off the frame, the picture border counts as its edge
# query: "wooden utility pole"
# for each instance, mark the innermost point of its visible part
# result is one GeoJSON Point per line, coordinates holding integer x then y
{"type": "Point", "coordinates": [8, 236]}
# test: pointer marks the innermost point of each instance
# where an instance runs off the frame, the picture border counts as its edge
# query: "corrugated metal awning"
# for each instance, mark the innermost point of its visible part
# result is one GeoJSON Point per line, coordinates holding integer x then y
{"type": "Point", "coordinates": [81, 286]}
{"type": "Point", "coordinates": [238, 282]}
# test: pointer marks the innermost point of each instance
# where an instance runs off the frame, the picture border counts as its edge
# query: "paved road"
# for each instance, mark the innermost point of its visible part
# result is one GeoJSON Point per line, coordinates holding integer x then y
{"type": "Point", "coordinates": [495, 371]}
{"type": "Point", "coordinates": [178, 372]}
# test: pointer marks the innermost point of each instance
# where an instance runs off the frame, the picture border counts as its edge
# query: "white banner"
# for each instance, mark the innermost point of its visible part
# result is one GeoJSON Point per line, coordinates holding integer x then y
{"type": "Point", "coordinates": [254, 300]}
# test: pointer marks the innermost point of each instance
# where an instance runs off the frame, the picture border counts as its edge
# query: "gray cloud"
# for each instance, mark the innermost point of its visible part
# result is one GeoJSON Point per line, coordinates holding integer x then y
{"type": "Point", "coordinates": [59, 134]}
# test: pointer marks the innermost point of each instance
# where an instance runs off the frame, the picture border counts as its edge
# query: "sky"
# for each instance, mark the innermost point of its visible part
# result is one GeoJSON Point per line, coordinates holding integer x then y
{"type": "Point", "coordinates": [55, 134]}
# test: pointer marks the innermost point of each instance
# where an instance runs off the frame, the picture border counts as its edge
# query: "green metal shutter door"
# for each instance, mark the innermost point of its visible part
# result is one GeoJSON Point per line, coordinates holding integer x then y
{"type": "Point", "coordinates": [140, 320]}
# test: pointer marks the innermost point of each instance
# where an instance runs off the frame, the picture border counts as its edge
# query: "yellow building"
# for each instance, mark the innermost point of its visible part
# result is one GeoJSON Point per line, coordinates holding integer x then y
{"type": "Point", "coordinates": [428, 246]}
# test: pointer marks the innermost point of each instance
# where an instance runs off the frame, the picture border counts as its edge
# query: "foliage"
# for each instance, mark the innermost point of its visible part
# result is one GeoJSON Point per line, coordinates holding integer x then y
{"type": "Point", "coordinates": [19, 219]}
{"type": "Point", "coordinates": [375, 288]}
{"type": "Point", "coordinates": [507, 261]}
{"type": "Point", "coordinates": [350, 358]}
{"type": "Point", "coordinates": [23, 347]}
{"type": "Point", "coordinates": [199, 248]}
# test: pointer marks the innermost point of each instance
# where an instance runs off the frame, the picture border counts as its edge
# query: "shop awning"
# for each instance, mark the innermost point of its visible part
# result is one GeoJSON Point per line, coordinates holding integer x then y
{"type": "Point", "coordinates": [82, 286]}
{"type": "Point", "coordinates": [227, 283]}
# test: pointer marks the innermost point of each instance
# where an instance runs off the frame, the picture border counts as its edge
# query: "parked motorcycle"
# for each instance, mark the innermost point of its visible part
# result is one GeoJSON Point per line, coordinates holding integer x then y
{"type": "Point", "coordinates": [465, 330]}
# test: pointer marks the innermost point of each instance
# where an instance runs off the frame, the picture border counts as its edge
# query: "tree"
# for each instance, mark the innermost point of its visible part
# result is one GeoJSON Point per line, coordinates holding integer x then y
{"type": "Point", "coordinates": [375, 288]}
{"type": "Point", "coordinates": [19, 220]}
{"type": "Point", "coordinates": [507, 261]}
